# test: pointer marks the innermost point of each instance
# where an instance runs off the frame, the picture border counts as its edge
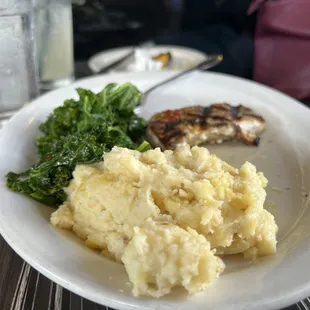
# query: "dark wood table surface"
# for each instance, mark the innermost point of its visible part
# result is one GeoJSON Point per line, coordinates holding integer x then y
{"type": "Point", "coordinates": [23, 288]}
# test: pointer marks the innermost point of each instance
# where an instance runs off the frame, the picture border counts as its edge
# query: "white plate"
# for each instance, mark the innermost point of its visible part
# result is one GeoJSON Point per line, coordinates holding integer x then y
{"type": "Point", "coordinates": [182, 57]}
{"type": "Point", "coordinates": [270, 283]}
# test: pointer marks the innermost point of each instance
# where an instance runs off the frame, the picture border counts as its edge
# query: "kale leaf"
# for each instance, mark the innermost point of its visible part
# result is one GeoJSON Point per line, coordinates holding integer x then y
{"type": "Point", "coordinates": [80, 132]}
{"type": "Point", "coordinates": [108, 115]}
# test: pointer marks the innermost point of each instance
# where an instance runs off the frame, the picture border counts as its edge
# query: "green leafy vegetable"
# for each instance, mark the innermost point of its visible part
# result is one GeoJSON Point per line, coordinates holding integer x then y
{"type": "Point", "coordinates": [79, 132]}
{"type": "Point", "coordinates": [144, 146]}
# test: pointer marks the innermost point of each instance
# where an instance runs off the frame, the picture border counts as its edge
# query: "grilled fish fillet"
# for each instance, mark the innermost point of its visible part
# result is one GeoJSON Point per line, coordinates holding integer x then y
{"type": "Point", "coordinates": [202, 125]}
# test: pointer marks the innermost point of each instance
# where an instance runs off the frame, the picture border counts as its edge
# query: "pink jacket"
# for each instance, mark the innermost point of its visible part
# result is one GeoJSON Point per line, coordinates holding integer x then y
{"type": "Point", "coordinates": [282, 45]}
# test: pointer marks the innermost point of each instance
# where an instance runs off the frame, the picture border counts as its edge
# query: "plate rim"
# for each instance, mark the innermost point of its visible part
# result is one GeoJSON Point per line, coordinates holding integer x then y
{"type": "Point", "coordinates": [275, 302]}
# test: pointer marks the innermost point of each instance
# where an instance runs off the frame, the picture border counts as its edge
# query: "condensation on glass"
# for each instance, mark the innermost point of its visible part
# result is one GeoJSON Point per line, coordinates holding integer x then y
{"type": "Point", "coordinates": [18, 65]}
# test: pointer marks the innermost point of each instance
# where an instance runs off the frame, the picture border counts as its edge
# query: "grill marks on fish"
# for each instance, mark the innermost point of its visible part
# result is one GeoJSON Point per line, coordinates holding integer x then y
{"type": "Point", "coordinates": [200, 125]}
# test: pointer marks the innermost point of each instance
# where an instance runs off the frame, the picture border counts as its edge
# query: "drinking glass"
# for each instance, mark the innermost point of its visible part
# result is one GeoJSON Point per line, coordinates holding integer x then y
{"type": "Point", "coordinates": [18, 65]}
{"type": "Point", "coordinates": [54, 42]}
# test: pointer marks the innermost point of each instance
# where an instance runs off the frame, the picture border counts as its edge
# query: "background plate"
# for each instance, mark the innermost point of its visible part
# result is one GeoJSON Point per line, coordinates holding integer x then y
{"type": "Point", "coordinates": [182, 57]}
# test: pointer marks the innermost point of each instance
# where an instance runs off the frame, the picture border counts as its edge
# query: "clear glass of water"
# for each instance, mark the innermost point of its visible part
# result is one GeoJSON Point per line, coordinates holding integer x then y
{"type": "Point", "coordinates": [54, 42]}
{"type": "Point", "coordinates": [18, 65]}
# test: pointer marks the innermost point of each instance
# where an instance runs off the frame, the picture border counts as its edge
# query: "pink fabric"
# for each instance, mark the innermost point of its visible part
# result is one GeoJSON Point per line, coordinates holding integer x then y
{"type": "Point", "coordinates": [282, 45]}
{"type": "Point", "coordinates": [255, 5]}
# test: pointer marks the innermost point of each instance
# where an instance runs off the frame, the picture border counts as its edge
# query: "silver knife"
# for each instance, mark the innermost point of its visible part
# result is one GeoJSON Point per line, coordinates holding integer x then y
{"type": "Point", "coordinates": [116, 63]}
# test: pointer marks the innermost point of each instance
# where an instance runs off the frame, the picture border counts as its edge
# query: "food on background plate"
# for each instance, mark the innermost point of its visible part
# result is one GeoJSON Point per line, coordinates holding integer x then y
{"type": "Point", "coordinates": [78, 132]}
{"type": "Point", "coordinates": [144, 61]}
{"type": "Point", "coordinates": [164, 58]}
{"type": "Point", "coordinates": [167, 215]}
{"type": "Point", "coordinates": [201, 125]}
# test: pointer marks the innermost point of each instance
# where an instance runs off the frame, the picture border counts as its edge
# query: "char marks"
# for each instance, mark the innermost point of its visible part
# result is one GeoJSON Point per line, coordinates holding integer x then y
{"type": "Point", "coordinates": [199, 125]}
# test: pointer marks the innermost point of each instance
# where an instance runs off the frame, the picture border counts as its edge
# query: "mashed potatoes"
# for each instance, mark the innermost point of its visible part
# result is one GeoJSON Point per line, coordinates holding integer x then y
{"type": "Point", "coordinates": [161, 255]}
{"type": "Point", "coordinates": [165, 214]}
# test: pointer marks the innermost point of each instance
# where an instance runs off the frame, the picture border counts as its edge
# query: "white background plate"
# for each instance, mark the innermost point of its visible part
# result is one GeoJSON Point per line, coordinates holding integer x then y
{"type": "Point", "coordinates": [270, 283]}
{"type": "Point", "coordinates": [182, 57]}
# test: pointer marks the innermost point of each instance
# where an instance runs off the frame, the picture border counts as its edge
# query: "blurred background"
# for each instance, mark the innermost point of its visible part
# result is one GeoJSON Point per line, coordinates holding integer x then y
{"type": "Point", "coordinates": [63, 40]}
{"type": "Point", "coordinates": [211, 26]}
